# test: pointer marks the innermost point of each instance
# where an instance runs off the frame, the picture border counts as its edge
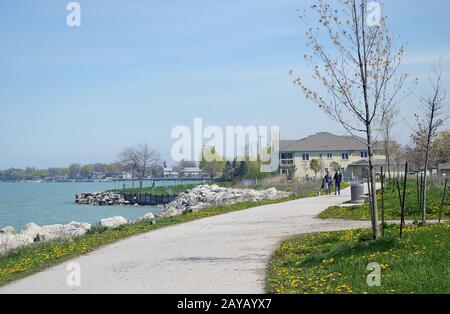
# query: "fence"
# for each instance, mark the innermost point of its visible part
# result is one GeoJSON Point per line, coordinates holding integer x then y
{"type": "Point", "coordinates": [148, 199]}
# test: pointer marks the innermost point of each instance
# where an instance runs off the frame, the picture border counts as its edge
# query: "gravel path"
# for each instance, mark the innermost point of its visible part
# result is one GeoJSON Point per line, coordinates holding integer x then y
{"type": "Point", "coordinates": [221, 254]}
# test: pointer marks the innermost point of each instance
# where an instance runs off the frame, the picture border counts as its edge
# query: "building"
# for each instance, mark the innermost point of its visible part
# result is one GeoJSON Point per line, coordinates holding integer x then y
{"type": "Point", "coordinates": [192, 172]}
{"type": "Point", "coordinates": [347, 152]}
{"type": "Point", "coordinates": [170, 173]}
{"type": "Point", "coordinates": [444, 169]}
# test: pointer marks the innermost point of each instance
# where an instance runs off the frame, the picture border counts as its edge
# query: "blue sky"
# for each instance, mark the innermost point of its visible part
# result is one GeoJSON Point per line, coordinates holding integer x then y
{"type": "Point", "coordinates": [135, 69]}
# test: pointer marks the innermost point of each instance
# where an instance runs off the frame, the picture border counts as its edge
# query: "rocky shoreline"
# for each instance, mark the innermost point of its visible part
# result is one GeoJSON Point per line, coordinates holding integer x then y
{"type": "Point", "coordinates": [101, 199]}
{"type": "Point", "coordinates": [199, 198]}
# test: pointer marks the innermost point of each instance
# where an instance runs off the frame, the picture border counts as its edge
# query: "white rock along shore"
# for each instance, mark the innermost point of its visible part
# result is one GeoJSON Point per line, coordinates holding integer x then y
{"type": "Point", "coordinates": [199, 198]}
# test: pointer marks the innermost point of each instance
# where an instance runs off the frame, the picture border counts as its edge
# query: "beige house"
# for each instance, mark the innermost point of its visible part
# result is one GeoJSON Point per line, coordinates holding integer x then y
{"type": "Point", "coordinates": [347, 152]}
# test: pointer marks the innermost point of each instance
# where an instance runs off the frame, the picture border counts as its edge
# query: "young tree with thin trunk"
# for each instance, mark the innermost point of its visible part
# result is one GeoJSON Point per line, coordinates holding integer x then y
{"type": "Point", "coordinates": [433, 114]}
{"type": "Point", "coordinates": [354, 59]}
{"type": "Point", "coordinates": [388, 144]}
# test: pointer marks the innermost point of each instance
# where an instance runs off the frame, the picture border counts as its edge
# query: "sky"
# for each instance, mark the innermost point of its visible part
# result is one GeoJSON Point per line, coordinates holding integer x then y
{"type": "Point", "coordinates": [136, 69]}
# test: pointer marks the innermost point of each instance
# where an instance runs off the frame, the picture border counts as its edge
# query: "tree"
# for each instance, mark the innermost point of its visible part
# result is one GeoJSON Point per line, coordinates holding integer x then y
{"type": "Point", "coordinates": [74, 171]}
{"type": "Point", "coordinates": [315, 166]}
{"type": "Point", "coordinates": [242, 169]}
{"type": "Point", "coordinates": [357, 64]}
{"type": "Point", "coordinates": [335, 166]}
{"type": "Point", "coordinates": [433, 107]}
{"type": "Point", "coordinates": [86, 172]}
{"type": "Point", "coordinates": [442, 147]}
{"type": "Point", "coordinates": [211, 162]}
{"type": "Point", "coordinates": [388, 145]}
{"type": "Point", "coordinates": [228, 171]}
{"type": "Point", "coordinates": [183, 164]}
{"type": "Point", "coordinates": [138, 160]}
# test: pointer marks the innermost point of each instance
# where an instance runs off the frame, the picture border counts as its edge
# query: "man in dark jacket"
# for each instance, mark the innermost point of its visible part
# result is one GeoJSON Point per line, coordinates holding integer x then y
{"type": "Point", "coordinates": [337, 182]}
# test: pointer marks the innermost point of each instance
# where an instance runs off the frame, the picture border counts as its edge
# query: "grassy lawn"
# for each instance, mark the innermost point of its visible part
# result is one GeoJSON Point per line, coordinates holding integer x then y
{"type": "Point", "coordinates": [160, 190]}
{"type": "Point", "coordinates": [35, 258]}
{"type": "Point", "coordinates": [336, 262]}
{"type": "Point", "coordinates": [392, 205]}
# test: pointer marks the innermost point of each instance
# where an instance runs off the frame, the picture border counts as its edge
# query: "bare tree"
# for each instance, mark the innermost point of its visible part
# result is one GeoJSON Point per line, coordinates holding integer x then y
{"type": "Point", "coordinates": [433, 114]}
{"type": "Point", "coordinates": [389, 146]}
{"type": "Point", "coordinates": [139, 160]}
{"type": "Point", "coordinates": [357, 64]}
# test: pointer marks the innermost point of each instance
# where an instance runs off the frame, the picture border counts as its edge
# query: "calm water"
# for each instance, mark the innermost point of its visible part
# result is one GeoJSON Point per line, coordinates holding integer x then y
{"type": "Point", "coordinates": [54, 203]}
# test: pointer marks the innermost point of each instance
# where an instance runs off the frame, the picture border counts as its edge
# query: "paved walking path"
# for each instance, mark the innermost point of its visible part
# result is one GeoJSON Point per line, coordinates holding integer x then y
{"type": "Point", "coordinates": [221, 254]}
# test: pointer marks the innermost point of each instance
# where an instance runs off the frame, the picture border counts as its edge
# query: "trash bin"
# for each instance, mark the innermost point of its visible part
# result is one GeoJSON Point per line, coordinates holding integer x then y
{"type": "Point", "coordinates": [357, 192]}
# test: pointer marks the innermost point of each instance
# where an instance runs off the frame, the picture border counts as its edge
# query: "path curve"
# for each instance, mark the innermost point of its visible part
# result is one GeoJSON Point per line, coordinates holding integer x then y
{"type": "Point", "coordinates": [221, 254]}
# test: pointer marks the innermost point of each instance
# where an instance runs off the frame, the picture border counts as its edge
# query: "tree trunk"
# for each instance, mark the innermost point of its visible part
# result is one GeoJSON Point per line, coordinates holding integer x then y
{"type": "Point", "coordinates": [373, 187]}
{"type": "Point", "coordinates": [424, 191]}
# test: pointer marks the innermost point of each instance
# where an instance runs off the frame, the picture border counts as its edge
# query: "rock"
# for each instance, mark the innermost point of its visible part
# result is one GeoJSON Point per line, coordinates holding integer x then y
{"type": "Point", "coordinates": [100, 199]}
{"type": "Point", "coordinates": [53, 232]}
{"type": "Point", "coordinates": [150, 217]}
{"type": "Point", "coordinates": [9, 242]}
{"type": "Point", "coordinates": [76, 229]}
{"type": "Point", "coordinates": [113, 222]}
{"type": "Point", "coordinates": [8, 230]}
{"type": "Point", "coordinates": [69, 231]}
{"type": "Point", "coordinates": [34, 232]}
{"type": "Point", "coordinates": [205, 196]}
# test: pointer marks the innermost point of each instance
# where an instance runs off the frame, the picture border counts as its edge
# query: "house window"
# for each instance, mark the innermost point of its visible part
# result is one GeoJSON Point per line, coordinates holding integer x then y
{"type": "Point", "coordinates": [305, 157]}
{"type": "Point", "coordinates": [287, 159]}
{"type": "Point", "coordinates": [320, 156]}
{"type": "Point", "coordinates": [330, 155]}
{"type": "Point", "coordinates": [364, 154]}
{"type": "Point", "coordinates": [344, 156]}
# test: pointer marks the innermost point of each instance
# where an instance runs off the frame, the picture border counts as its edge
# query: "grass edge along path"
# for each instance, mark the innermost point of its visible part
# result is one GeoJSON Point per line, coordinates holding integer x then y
{"type": "Point", "coordinates": [28, 260]}
{"type": "Point", "coordinates": [336, 262]}
{"type": "Point", "coordinates": [392, 206]}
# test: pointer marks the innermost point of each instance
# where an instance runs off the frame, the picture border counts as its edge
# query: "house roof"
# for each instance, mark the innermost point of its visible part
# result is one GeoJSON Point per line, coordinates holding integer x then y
{"type": "Point", "coordinates": [445, 166]}
{"type": "Point", "coordinates": [328, 142]}
{"type": "Point", "coordinates": [323, 141]}
{"type": "Point", "coordinates": [191, 169]}
{"type": "Point", "coordinates": [365, 163]}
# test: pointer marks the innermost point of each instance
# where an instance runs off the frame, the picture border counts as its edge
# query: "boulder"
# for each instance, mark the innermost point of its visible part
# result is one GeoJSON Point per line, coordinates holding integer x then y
{"type": "Point", "coordinates": [100, 199]}
{"type": "Point", "coordinates": [69, 231]}
{"type": "Point", "coordinates": [150, 217]}
{"type": "Point", "coordinates": [113, 222]}
{"type": "Point", "coordinates": [9, 242]}
{"type": "Point", "coordinates": [205, 196]}
{"type": "Point", "coordinates": [35, 232]}
{"type": "Point", "coordinates": [8, 230]}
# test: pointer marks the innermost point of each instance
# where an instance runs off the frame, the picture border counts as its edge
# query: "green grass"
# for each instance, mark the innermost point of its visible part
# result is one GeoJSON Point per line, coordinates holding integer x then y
{"type": "Point", "coordinates": [392, 205]}
{"type": "Point", "coordinates": [160, 190]}
{"type": "Point", "coordinates": [35, 258]}
{"type": "Point", "coordinates": [336, 262]}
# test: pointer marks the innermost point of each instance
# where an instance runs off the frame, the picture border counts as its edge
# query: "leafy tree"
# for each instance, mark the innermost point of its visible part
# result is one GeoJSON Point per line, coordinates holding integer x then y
{"type": "Point", "coordinates": [314, 165]}
{"type": "Point", "coordinates": [228, 171]}
{"type": "Point", "coordinates": [242, 169]}
{"type": "Point", "coordinates": [335, 166]}
{"type": "Point", "coordinates": [74, 171]}
{"type": "Point", "coordinates": [86, 172]}
{"type": "Point", "coordinates": [211, 162]}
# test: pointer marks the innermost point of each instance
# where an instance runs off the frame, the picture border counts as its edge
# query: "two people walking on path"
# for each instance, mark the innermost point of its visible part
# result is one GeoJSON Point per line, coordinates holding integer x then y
{"type": "Point", "coordinates": [327, 182]}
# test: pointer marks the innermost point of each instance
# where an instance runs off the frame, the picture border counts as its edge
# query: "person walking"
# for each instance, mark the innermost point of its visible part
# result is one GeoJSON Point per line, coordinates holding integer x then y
{"type": "Point", "coordinates": [327, 181]}
{"type": "Point", "coordinates": [337, 182]}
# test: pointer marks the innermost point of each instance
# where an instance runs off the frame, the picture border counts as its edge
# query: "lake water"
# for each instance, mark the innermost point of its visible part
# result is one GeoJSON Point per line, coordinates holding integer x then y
{"type": "Point", "coordinates": [54, 203]}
